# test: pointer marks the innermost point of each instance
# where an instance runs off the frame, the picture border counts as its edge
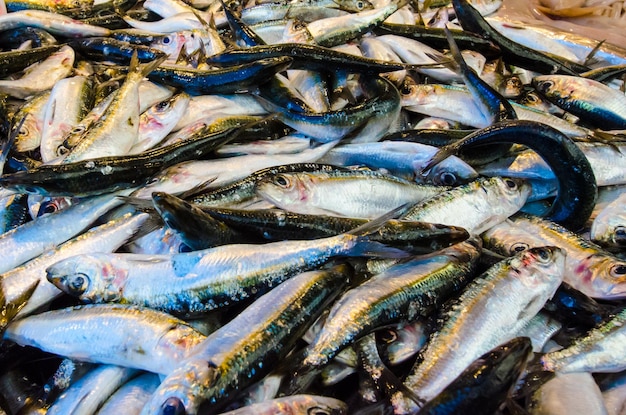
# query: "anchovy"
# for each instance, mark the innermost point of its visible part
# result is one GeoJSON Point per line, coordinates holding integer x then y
{"type": "Point", "coordinates": [52, 22]}
{"type": "Point", "coordinates": [131, 397]}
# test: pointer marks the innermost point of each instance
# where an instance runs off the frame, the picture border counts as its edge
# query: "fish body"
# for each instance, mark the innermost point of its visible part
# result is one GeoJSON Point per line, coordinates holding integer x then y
{"type": "Point", "coordinates": [198, 281]}
{"type": "Point", "coordinates": [487, 202]}
{"type": "Point", "coordinates": [400, 294]}
{"type": "Point", "coordinates": [41, 76]}
{"type": "Point", "coordinates": [342, 193]}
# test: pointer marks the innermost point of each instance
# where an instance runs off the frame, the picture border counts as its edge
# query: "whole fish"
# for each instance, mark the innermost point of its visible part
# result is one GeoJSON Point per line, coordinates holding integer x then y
{"type": "Point", "coordinates": [589, 100]}
{"type": "Point", "coordinates": [200, 281]}
{"type": "Point", "coordinates": [122, 335]}
{"type": "Point", "coordinates": [295, 404]}
{"type": "Point", "coordinates": [489, 312]}
{"type": "Point", "coordinates": [245, 349]}
{"type": "Point", "coordinates": [402, 293]}
{"type": "Point", "coordinates": [341, 193]}
{"type": "Point", "coordinates": [402, 159]}
{"type": "Point", "coordinates": [42, 76]}
{"type": "Point", "coordinates": [116, 130]}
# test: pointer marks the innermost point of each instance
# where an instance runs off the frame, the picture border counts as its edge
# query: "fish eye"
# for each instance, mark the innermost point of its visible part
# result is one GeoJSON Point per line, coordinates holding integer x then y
{"type": "Point", "coordinates": [162, 106]}
{"type": "Point", "coordinates": [388, 336]}
{"type": "Point", "coordinates": [510, 184]}
{"type": "Point", "coordinates": [406, 89]}
{"type": "Point", "coordinates": [531, 98]}
{"type": "Point", "coordinates": [78, 282]}
{"type": "Point", "coordinates": [50, 208]}
{"type": "Point", "coordinates": [620, 232]}
{"type": "Point", "coordinates": [316, 410]}
{"type": "Point", "coordinates": [448, 179]}
{"type": "Point", "coordinates": [519, 247]}
{"type": "Point", "coordinates": [282, 181]}
{"type": "Point", "coordinates": [78, 129]}
{"type": "Point", "coordinates": [545, 86]}
{"type": "Point", "coordinates": [618, 270]}
{"type": "Point", "coordinates": [166, 40]}
{"type": "Point", "coordinates": [173, 406]}
{"type": "Point", "coordinates": [62, 150]}
{"type": "Point", "coordinates": [360, 5]}
{"type": "Point", "coordinates": [544, 255]}
{"type": "Point", "coordinates": [23, 131]}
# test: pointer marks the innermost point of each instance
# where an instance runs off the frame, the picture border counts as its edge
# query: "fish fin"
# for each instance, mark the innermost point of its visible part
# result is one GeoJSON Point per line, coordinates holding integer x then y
{"type": "Point", "coordinates": [202, 187]}
{"type": "Point", "coordinates": [151, 224]}
{"type": "Point", "coordinates": [143, 205]}
{"type": "Point", "coordinates": [375, 224]}
{"type": "Point", "coordinates": [145, 68]}
{"type": "Point", "coordinates": [8, 311]}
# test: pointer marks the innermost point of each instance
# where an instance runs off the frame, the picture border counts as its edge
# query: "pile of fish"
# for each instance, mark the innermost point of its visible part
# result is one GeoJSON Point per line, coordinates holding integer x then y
{"type": "Point", "coordinates": [312, 207]}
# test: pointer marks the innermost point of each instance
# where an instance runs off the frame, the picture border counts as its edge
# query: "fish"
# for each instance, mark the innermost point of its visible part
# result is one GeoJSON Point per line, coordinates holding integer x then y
{"type": "Point", "coordinates": [523, 283]}
{"type": "Point", "coordinates": [222, 363]}
{"type": "Point", "coordinates": [99, 333]}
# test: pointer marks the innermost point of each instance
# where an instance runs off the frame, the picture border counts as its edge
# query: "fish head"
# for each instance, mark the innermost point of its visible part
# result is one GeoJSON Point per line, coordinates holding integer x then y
{"type": "Point", "coordinates": [93, 278]}
{"type": "Point", "coordinates": [540, 267]}
{"type": "Point", "coordinates": [508, 239]}
{"type": "Point", "coordinates": [185, 389]}
{"type": "Point", "coordinates": [514, 189]}
{"type": "Point", "coordinates": [450, 172]}
{"type": "Point", "coordinates": [319, 405]}
{"type": "Point", "coordinates": [602, 276]}
{"type": "Point", "coordinates": [285, 190]}
{"type": "Point", "coordinates": [554, 87]}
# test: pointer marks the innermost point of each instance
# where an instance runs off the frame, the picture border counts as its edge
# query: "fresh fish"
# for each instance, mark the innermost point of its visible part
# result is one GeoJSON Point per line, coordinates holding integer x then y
{"type": "Point", "coordinates": [54, 23]}
{"type": "Point", "coordinates": [222, 172]}
{"type": "Point", "coordinates": [70, 101]}
{"type": "Point", "coordinates": [484, 202]}
{"type": "Point", "coordinates": [485, 384]}
{"type": "Point", "coordinates": [131, 397]}
{"type": "Point", "coordinates": [158, 121]}
{"type": "Point", "coordinates": [31, 116]}
{"type": "Point", "coordinates": [295, 404]}
{"type": "Point", "coordinates": [50, 230]}
{"type": "Point", "coordinates": [260, 335]}
{"type": "Point", "coordinates": [116, 130]}
{"type": "Point", "coordinates": [104, 238]}
{"type": "Point", "coordinates": [402, 293]}
{"type": "Point", "coordinates": [590, 269]}
{"type": "Point", "coordinates": [564, 395]}
{"type": "Point", "coordinates": [590, 100]}
{"type": "Point", "coordinates": [341, 193]}
{"type": "Point", "coordinates": [516, 287]}
{"type": "Point", "coordinates": [597, 351]}
{"type": "Point", "coordinates": [609, 227]}
{"type": "Point", "coordinates": [86, 395]}
{"type": "Point", "coordinates": [101, 333]}
{"type": "Point", "coordinates": [198, 281]}
{"type": "Point", "coordinates": [42, 76]}
{"type": "Point", "coordinates": [402, 159]}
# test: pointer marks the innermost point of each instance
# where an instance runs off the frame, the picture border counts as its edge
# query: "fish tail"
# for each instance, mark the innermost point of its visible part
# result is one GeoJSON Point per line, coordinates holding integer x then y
{"type": "Point", "coordinates": [8, 311]}
{"type": "Point", "coordinates": [146, 68]}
